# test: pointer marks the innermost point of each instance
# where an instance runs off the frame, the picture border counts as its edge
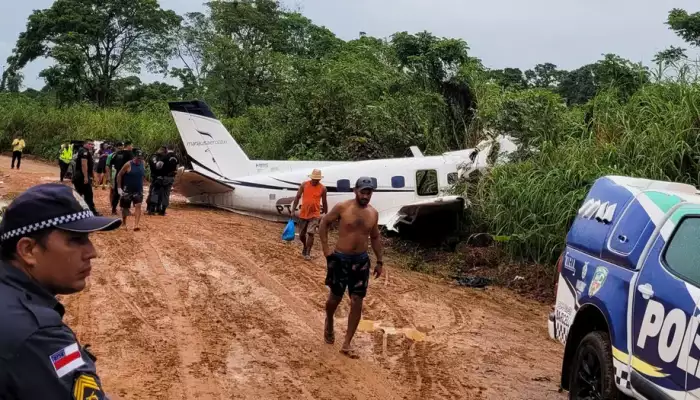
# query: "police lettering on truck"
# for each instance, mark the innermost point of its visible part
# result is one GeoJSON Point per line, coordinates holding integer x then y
{"type": "Point", "coordinates": [676, 333]}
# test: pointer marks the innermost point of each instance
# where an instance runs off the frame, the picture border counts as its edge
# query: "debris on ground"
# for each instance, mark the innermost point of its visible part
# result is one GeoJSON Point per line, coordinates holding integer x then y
{"type": "Point", "coordinates": [473, 281]}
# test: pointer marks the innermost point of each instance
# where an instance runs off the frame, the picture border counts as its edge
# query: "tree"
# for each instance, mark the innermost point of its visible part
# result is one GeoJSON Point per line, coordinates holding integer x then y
{"type": "Point", "coordinates": [435, 63]}
{"type": "Point", "coordinates": [613, 71]}
{"type": "Point", "coordinates": [544, 76]}
{"type": "Point", "coordinates": [190, 43]}
{"type": "Point", "coordinates": [509, 78]}
{"type": "Point", "coordinates": [685, 25]}
{"type": "Point", "coordinates": [93, 42]}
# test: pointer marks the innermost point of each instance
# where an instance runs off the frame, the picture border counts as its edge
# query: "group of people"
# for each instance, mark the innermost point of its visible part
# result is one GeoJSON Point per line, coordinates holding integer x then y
{"type": "Point", "coordinates": [122, 167]}
{"type": "Point", "coordinates": [45, 251]}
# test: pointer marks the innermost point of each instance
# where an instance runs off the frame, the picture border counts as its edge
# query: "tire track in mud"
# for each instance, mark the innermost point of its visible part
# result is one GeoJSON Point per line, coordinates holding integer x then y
{"type": "Point", "coordinates": [189, 344]}
{"type": "Point", "coordinates": [315, 320]}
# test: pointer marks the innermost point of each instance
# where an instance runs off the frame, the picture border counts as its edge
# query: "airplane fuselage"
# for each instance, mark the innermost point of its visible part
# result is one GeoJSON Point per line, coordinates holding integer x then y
{"type": "Point", "coordinates": [271, 195]}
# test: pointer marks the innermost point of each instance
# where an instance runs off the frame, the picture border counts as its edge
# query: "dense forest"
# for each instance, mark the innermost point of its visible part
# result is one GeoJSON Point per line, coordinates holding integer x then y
{"type": "Point", "coordinates": [289, 89]}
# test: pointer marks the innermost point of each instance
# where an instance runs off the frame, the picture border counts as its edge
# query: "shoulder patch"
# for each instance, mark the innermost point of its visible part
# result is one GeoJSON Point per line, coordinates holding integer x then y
{"type": "Point", "coordinates": [86, 387]}
{"type": "Point", "coordinates": [67, 360]}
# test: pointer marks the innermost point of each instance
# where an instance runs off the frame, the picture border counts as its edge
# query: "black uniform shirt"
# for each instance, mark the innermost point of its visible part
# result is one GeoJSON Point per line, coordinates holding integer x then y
{"type": "Point", "coordinates": [40, 357]}
{"type": "Point", "coordinates": [170, 163]}
{"type": "Point", "coordinates": [152, 161]}
{"type": "Point", "coordinates": [83, 154]}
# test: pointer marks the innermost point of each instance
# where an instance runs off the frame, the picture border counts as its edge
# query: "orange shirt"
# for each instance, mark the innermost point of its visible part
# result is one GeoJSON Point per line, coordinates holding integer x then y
{"type": "Point", "coordinates": [311, 200]}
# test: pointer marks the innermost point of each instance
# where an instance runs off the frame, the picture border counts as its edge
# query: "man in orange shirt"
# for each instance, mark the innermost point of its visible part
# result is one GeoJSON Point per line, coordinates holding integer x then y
{"type": "Point", "coordinates": [311, 193]}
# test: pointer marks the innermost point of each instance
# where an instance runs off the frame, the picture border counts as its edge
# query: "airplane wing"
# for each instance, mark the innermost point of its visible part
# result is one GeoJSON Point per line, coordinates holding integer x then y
{"type": "Point", "coordinates": [409, 213]}
{"type": "Point", "coordinates": [192, 183]}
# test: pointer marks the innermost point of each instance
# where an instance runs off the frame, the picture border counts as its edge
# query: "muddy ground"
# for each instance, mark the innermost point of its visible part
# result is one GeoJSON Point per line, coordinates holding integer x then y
{"type": "Point", "coordinates": [207, 304]}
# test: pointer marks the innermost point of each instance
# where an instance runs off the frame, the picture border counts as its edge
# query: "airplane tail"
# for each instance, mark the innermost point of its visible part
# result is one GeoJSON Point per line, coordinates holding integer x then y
{"type": "Point", "coordinates": [210, 148]}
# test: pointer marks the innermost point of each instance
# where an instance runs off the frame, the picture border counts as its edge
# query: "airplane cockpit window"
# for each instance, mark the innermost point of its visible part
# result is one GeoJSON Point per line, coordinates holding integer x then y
{"type": "Point", "coordinates": [397, 182]}
{"type": "Point", "coordinates": [451, 178]}
{"type": "Point", "coordinates": [426, 182]}
{"type": "Point", "coordinates": [343, 185]}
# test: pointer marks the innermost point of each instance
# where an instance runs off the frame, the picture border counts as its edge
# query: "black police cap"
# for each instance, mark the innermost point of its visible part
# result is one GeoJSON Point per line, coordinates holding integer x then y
{"type": "Point", "coordinates": [51, 205]}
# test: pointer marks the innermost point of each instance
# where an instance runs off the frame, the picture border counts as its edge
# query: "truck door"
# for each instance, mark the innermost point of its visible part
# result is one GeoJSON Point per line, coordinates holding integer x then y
{"type": "Point", "coordinates": [664, 327]}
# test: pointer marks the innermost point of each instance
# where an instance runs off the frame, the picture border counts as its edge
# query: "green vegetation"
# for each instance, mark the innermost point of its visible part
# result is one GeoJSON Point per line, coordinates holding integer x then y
{"type": "Point", "coordinates": [289, 89]}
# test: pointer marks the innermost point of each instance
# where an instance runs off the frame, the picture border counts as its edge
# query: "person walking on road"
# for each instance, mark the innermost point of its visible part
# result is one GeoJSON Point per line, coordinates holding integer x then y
{"type": "Point", "coordinates": [348, 266]}
{"type": "Point", "coordinates": [45, 251]}
{"type": "Point", "coordinates": [65, 157]}
{"type": "Point", "coordinates": [100, 177]}
{"type": "Point", "coordinates": [168, 173]}
{"type": "Point", "coordinates": [311, 193]}
{"type": "Point", "coordinates": [118, 161]}
{"type": "Point", "coordinates": [82, 176]}
{"type": "Point", "coordinates": [130, 187]}
{"type": "Point", "coordinates": [17, 149]}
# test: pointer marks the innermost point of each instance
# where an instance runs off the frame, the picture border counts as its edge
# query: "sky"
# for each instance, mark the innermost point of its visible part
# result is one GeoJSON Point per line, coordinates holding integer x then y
{"type": "Point", "coordinates": [502, 33]}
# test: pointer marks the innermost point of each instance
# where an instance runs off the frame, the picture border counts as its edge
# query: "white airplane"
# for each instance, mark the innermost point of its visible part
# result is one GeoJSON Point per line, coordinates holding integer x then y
{"type": "Point", "coordinates": [408, 190]}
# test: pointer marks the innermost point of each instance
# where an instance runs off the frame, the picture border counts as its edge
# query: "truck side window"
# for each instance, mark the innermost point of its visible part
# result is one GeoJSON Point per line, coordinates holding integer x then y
{"type": "Point", "coordinates": [682, 255]}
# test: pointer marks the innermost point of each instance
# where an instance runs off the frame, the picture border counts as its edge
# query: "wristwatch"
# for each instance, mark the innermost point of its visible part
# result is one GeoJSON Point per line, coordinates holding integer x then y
{"type": "Point", "coordinates": [380, 263]}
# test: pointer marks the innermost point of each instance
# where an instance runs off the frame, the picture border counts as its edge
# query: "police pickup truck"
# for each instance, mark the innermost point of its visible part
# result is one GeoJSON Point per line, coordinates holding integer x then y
{"type": "Point", "coordinates": [627, 293]}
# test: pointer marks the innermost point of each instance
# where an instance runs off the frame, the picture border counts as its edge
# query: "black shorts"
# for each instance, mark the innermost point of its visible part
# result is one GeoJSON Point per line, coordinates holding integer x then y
{"type": "Point", "coordinates": [101, 166]}
{"type": "Point", "coordinates": [128, 198]}
{"type": "Point", "coordinates": [348, 271]}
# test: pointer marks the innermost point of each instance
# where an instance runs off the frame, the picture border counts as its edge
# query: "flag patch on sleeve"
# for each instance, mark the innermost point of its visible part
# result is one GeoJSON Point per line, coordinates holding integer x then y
{"type": "Point", "coordinates": [67, 360]}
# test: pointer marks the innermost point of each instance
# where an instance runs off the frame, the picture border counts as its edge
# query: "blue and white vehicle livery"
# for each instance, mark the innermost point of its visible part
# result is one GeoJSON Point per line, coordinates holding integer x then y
{"type": "Point", "coordinates": [627, 293]}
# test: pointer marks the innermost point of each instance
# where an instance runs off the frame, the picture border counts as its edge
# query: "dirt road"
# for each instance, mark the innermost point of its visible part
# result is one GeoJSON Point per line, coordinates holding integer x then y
{"type": "Point", "coordinates": [206, 304]}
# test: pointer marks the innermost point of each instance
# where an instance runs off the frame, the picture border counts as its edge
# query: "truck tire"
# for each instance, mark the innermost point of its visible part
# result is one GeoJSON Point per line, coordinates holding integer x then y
{"type": "Point", "coordinates": [592, 374]}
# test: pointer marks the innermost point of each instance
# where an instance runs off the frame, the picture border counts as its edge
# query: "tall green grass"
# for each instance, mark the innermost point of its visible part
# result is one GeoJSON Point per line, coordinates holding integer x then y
{"type": "Point", "coordinates": [44, 127]}
{"type": "Point", "coordinates": [656, 135]}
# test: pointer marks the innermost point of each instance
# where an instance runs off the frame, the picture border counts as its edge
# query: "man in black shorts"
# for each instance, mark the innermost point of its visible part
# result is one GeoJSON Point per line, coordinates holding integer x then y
{"type": "Point", "coordinates": [130, 187]}
{"type": "Point", "coordinates": [348, 267]}
{"type": "Point", "coordinates": [117, 162]}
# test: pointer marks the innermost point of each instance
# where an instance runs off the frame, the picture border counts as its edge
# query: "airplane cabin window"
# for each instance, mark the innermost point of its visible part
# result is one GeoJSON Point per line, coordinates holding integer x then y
{"type": "Point", "coordinates": [344, 185]}
{"type": "Point", "coordinates": [397, 182]}
{"type": "Point", "coordinates": [374, 182]}
{"type": "Point", "coordinates": [426, 182]}
{"type": "Point", "coordinates": [451, 178]}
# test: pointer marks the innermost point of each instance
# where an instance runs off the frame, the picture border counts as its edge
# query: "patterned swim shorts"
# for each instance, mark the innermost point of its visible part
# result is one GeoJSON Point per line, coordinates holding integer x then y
{"type": "Point", "coordinates": [349, 271]}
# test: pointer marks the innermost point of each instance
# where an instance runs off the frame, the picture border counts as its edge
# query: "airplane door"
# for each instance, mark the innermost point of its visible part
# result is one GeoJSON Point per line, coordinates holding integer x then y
{"type": "Point", "coordinates": [664, 344]}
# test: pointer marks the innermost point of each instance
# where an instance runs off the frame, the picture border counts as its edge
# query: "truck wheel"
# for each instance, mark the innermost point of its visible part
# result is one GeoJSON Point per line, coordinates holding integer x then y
{"type": "Point", "coordinates": [592, 374]}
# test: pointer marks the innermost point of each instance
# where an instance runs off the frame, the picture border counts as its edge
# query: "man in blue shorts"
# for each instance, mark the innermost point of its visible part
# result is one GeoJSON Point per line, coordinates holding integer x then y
{"type": "Point", "coordinates": [348, 267]}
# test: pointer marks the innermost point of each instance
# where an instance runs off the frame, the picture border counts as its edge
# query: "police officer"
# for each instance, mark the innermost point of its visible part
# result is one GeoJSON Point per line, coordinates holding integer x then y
{"type": "Point", "coordinates": [168, 172]}
{"type": "Point", "coordinates": [45, 251]}
{"type": "Point", "coordinates": [155, 164]}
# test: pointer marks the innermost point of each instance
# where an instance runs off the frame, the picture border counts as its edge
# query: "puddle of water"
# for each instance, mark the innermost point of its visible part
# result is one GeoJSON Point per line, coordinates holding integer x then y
{"type": "Point", "coordinates": [371, 326]}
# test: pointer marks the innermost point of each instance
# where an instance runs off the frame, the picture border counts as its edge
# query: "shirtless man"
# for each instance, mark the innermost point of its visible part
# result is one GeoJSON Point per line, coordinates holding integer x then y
{"type": "Point", "coordinates": [349, 265]}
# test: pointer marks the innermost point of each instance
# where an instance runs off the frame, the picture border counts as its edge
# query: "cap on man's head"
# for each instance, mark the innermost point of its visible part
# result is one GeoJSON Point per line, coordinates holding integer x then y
{"type": "Point", "coordinates": [51, 205]}
{"type": "Point", "coordinates": [137, 152]}
{"type": "Point", "coordinates": [364, 182]}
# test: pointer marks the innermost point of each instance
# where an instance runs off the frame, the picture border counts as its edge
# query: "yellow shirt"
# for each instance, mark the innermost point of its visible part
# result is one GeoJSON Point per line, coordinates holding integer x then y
{"type": "Point", "coordinates": [18, 145]}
